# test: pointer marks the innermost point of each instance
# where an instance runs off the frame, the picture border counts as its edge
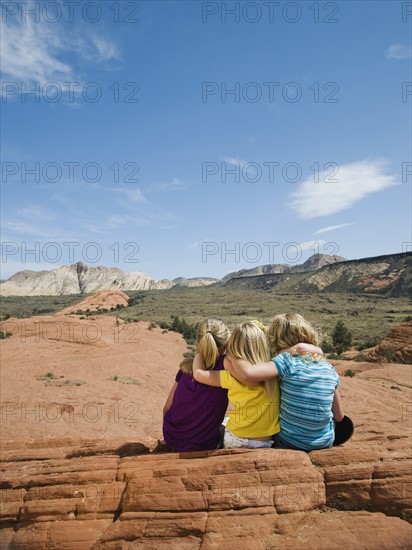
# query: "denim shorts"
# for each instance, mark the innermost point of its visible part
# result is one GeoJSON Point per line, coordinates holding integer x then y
{"type": "Point", "coordinates": [233, 442]}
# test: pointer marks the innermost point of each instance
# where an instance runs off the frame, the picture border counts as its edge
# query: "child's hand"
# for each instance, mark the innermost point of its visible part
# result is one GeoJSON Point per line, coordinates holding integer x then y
{"type": "Point", "coordinates": [304, 349]}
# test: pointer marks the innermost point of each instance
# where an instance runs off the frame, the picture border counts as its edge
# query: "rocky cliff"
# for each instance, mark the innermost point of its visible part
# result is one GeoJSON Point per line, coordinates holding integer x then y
{"type": "Point", "coordinates": [82, 279]}
{"type": "Point", "coordinates": [389, 275]}
{"type": "Point", "coordinates": [315, 261]}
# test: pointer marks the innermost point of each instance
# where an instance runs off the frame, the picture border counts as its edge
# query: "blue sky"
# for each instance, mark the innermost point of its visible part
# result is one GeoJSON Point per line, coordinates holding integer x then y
{"type": "Point", "coordinates": [144, 160]}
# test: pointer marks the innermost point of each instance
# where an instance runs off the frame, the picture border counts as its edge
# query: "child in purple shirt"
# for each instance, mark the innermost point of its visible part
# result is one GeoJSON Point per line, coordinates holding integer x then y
{"type": "Point", "coordinates": [194, 412]}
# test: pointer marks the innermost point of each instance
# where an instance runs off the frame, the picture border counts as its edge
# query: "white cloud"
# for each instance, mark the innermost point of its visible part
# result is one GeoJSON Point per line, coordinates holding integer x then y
{"type": "Point", "coordinates": [30, 231]}
{"type": "Point", "coordinates": [311, 245]}
{"type": "Point", "coordinates": [134, 195]}
{"type": "Point", "coordinates": [331, 228]}
{"type": "Point", "coordinates": [399, 51]}
{"type": "Point", "coordinates": [157, 221]}
{"type": "Point", "coordinates": [175, 185]}
{"type": "Point", "coordinates": [196, 244]}
{"type": "Point", "coordinates": [355, 181]}
{"type": "Point", "coordinates": [234, 161]}
{"type": "Point", "coordinates": [31, 51]}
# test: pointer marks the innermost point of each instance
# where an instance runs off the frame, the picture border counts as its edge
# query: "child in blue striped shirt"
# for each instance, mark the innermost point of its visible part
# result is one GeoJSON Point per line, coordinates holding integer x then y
{"type": "Point", "coordinates": [309, 396]}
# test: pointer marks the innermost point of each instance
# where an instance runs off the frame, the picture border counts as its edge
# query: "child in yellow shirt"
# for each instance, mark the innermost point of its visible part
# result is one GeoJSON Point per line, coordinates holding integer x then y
{"type": "Point", "coordinates": [254, 414]}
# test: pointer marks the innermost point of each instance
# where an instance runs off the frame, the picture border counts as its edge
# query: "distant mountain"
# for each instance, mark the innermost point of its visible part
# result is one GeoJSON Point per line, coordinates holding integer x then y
{"type": "Point", "coordinates": [315, 261]}
{"type": "Point", "coordinates": [82, 279]}
{"type": "Point", "coordinates": [390, 275]}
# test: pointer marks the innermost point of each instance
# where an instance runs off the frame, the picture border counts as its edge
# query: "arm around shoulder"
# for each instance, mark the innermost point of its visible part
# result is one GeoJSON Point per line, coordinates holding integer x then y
{"type": "Point", "coordinates": [250, 374]}
{"type": "Point", "coordinates": [208, 377]}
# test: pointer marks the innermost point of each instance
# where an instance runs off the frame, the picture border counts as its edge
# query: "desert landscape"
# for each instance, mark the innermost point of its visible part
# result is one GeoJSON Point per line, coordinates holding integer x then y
{"type": "Point", "coordinates": [83, 466]}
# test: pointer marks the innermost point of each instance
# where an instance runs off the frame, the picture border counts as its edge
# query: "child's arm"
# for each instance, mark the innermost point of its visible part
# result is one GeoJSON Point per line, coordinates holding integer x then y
{"type": "Point", "coordinates": [302, 348]}
{"type": "Point", "coordinates": [337, 408]}
{"type": "Point", "coordinates": [169, 400]}
{"type": "Point", "coordinates": [227, 364]}
{"type": "Point", "coordinates": [209, 377]}
{"type": "Point", "coordinates": [250, 374]}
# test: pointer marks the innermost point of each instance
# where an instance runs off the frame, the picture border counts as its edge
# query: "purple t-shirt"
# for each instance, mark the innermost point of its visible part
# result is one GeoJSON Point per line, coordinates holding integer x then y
{"type": "Point", "coordinates": [192, 422]}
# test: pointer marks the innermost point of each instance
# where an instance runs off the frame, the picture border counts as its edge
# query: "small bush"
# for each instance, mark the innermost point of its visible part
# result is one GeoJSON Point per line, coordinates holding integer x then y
{"type": "Point", "coordinates": [407, 318]}
{"type": "Point", "coordinates": [152, 325]}
{"type": "Point", "coordinates": [372, 342]}
{"type": "Point", "coordinates": [349, 373]}
{"type": "Point", "coordinates": [181, 326]}
{"type": "Point", "coordinates": [361, 358]}
{"type": "Point", "coordinates": [388, 353]}
{"type": "Point", "coordinates": [327, 346]}
{"type": "Point", "coordinates": [4, 335]}
{"type": "Point", "coordinates": [341, 337]}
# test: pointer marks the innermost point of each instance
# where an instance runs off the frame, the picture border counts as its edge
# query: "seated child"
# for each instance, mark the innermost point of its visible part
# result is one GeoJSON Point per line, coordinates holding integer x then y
{"type": "Point", "coordinates": [254, 417]}
{"type": "Point", "coordinates": [309, 401]}
{"type": "Point", "coordinates": [193, 412]}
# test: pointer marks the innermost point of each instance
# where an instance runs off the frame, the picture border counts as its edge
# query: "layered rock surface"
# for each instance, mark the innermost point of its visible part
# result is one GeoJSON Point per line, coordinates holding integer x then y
{"type": "Point", "coordinates": [82, 469]}
{"type": "Point", "coordinates": [396, 347]}
{"type": "Point", "coordinates": [103, 299]}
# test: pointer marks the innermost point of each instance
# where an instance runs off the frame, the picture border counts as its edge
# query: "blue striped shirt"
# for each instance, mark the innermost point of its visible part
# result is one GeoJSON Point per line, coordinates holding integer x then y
{"type": "Point", "coordinates": [306, 397]}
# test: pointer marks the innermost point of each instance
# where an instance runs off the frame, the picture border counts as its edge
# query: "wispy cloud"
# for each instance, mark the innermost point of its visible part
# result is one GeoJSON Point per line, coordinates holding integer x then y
{"type": "Point", "coordinates": [399, 51]}
{"type": "Point", "coordinates": [29, 230]}
{"type": "Point", "coordinates": [32, 52]}
{"type": "Point", "coordinates": [331, 228]}
{"type": "Point", "coordinates": [165, 221]}
{"type": "Point", "coordinates": [234, 161]}
{"type": "Point", "coordinates": [355, 181]}
{"type": "Point", "coordinates": [196, 244]}
{"type": "Point", "coordinates": [175, 185]}
{"type": "Point", "coordinates": [311, 245]}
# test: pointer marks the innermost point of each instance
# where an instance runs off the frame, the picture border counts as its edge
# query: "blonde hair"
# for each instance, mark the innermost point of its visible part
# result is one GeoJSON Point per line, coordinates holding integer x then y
{"type": "Point", "coordinates": [211, 339]}
{"type": "Point", "coordinates": [248, 341]}
{"type": "Point", "coordinates": [288, 329]}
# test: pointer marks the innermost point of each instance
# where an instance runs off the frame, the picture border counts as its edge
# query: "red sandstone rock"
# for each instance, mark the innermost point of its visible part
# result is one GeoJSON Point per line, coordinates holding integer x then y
{"type": "Point", "coordinates": [103, 299]}
{"type": "Point", "coordinates": [395, 348]}
{"type": "Point", "coordinates": [105, 485]}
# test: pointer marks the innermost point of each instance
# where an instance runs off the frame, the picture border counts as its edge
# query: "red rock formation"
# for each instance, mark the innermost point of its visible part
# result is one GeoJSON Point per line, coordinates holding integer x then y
{"type": "Point", "coordinates": [74, 482]}
{"type": "Point", "coordinates": [103, 299]}
{"type": "Point", "coordinates": [395, 348]}
{"type": "Point", "coordinates": [243, 499]}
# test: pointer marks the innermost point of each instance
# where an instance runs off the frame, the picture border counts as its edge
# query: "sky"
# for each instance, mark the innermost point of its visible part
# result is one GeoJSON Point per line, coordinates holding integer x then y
{"type": "Point", "coordinates": [189, 138]}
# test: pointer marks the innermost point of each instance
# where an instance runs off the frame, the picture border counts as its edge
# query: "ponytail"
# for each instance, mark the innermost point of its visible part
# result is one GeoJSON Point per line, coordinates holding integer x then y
{"type": "Point", "coordinates": [212, 336]}
{"type": "Point", "coordinates": [208, 349]}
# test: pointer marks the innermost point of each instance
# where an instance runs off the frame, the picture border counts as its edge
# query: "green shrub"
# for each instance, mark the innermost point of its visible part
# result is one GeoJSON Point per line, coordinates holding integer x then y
{"type": "Point", "coordinates": [370, 343]}
{"type": "Point", "coordinates": [4, 335]}
{"type": "Point", "coordinates": [388, 353]}
{"type": "Point", "coordinates": [181, 326]}
{"type": "Point", "coordinates": [407, 318]}
{"type": "Point", "coordinates": [341, 337]}
{"type": "Point", "coordinates": [334, 356]}
{"type": "Point", "coordinates": [327, 346]}
{"type": "Point", "coordinates": [349, 373]}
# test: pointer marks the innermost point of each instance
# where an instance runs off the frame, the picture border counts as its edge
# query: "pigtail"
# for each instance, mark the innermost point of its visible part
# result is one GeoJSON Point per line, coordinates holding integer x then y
{"type": "Point", "coordinates": [208, 349]}
{"type": "Point", "coordinates": [211, 340]}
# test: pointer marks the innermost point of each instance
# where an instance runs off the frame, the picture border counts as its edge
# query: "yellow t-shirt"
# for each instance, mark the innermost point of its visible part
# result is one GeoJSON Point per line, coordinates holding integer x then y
{"type": "Point", "coordinates": [253, 414]}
